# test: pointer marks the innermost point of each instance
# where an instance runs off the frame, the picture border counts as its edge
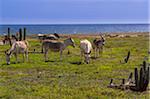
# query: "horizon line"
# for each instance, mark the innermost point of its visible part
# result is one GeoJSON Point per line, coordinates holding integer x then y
{"type": "Point", "coordinates": [65, 23]}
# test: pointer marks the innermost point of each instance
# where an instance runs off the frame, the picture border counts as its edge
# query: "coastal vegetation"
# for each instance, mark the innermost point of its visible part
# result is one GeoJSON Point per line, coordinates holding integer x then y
{"type": "Point", "coordinates": [66, 79]}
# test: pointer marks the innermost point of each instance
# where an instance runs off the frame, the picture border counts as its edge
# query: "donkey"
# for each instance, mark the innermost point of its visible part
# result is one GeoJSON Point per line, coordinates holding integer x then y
{"type": "Point", "coordinates": [7, 40]}
{"type": "Point", "coordinates": [17, 48]}
{"type": "Point", "coordinates": [56, 46]}
{"type": "Point", "coordinates": [85, 48]}
{"type": "Point", "coordinates": [54, 36]}
{"type": "Point", "coordinates": [98, 45]}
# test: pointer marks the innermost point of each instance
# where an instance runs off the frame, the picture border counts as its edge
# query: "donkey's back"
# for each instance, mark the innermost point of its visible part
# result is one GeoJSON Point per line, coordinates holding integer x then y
{"type": "Point", "coordinates": [20, 46]}
{"type": "Point", "coordinates": [85, 45]}
{"type": "Point", "coordinates": [52, 45]}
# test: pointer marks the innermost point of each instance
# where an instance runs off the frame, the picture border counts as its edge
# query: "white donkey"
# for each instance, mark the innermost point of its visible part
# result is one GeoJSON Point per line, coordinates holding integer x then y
{"type": "Point", "coordinates": [56, 46]}
{"type": "Point", "coordinates": [85, 47]}
{"type": "Point", "coordinates": [17, 48]}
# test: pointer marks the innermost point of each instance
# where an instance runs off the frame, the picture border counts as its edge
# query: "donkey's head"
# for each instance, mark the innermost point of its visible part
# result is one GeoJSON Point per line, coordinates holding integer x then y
{"type": "Point", "coordinates": [102, 39]}
{"type": "Point", "coordinates": [70, 41]}
{"type": "Point", "coordinates": [87, 57]}
{"type": "Point", "coordinates": [8, 55]}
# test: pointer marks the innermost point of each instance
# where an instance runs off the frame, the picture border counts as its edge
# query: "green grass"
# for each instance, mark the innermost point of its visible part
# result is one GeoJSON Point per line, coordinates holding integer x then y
{"type": "Point", "coordinates": [37, 79]}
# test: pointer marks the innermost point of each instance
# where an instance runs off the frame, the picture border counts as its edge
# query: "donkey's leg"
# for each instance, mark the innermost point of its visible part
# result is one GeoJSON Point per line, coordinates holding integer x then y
{"type": "Point", "coordinates": [81, 55]}
{"type": "Point", "coordinates": [45, 55]}
{"type": "Point", "coordinates": [15, 54]}
{"type": "Point", "coordinates": [101, 51]}
{"type": "Point", "coordinates": [61, 55]}
{"type": "Point", "coordinates": [94, 52]}
{"type": "Point", "coordinates": [98, 52]}
{"type": "Point", "coordinates": [96, 49]}
{"type": "Point", "coordinates": [23, 57]}
{"type": "Point", "coordinates": [26, 53]}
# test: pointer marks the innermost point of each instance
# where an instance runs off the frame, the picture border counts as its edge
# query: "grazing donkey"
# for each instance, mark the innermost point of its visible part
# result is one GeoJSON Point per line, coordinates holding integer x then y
{"type": "Point", "coordinates": [7, 40]}
{"type": "Point", "coordinates": [85, 47]}
{"type": "Point", "coordinates": [56, 46]}
{"type": "Point", "coordinates": [17, 48]}
{"type": "Point", "coordinates": [98, 45]}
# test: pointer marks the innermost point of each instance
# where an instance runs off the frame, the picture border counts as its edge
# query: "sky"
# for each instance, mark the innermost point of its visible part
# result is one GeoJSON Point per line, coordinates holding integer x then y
{"type": "Point", "coordinates": [74, 11]}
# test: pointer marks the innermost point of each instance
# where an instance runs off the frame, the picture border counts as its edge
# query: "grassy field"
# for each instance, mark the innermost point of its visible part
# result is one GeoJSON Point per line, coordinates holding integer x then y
{"type": "Point", "coordinates": [65, 79]}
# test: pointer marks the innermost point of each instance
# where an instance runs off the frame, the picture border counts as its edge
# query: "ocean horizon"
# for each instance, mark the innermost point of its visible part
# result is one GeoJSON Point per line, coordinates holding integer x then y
{"type": "Point", "coordinates": [75, 28]}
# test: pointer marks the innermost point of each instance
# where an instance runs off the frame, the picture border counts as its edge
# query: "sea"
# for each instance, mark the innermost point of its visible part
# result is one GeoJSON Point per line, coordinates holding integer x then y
{"type": "Point", "coordinates": [75, 28]}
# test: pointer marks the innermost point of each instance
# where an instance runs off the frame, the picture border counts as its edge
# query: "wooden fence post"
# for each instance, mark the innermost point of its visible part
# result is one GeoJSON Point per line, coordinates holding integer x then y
{"type": "Point", "coordinates": [136, 78]}
{"type": "Point", "coordinates": [8, 33]}
{"type": "Point", "coordinates": [130, 76]}
{"type": "Point", "coordinates": [24, 37]}
{"type": "Point", "coordinates": [8, 36]}
{"type": "Point", "coordinates": [20, 34]}
{"type": "Point", "coordinates": [140, 84]}
{"type": "Point", "coordinates": [141, 80]}
{"type": "Point", "coordinates": [127, 58]}
{"type": "Point", "coordinates": [144, 66]}
{"type": "Point", "coordinates": [123, 81]}
{"type": "Point", "coordinates": [146, 81]}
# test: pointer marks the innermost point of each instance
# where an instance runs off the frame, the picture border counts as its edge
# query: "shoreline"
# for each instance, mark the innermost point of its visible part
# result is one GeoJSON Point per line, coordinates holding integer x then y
{"type": "Point", "coordinates": [107, 35]}
{"type": "Point", "coordinates": [95, 35]}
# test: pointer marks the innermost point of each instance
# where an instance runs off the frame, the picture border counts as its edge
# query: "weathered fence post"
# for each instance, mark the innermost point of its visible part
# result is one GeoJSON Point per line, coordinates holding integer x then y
{"type": "Point", "coordinates": [144, 65]}
{"type": "Point", "coordinates": [122, 86]}
{"type": "Point", "coordinates": [141, 80]}
{"type": "Point", "coordinates": [24, 37]}
{"type": "Point", "coordinates": [8, 37]}
{"type": "Point", "coordinates": [146, 81]}
{"type": "Point", "coordinates": [123, 81]}
{"type": "Point", "coordinates": [140, 84]}
{"type": "Point", "coordinates": [130, 76]}
{"type": "Point", "coordinates": [136, 78]}
{"type": "Point", "coordinates": [127, 58]}
{"type": "Point", "coordinates": [8, 33]}
{"type": "Point", "coordinates": [129, 79]}
{"type": "Point", "coordinates": [20, 34]}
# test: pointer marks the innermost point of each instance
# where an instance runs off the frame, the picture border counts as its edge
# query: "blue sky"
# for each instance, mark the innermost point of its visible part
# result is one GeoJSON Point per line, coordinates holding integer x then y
{"type": "Point", "coordinates": [73, 11]}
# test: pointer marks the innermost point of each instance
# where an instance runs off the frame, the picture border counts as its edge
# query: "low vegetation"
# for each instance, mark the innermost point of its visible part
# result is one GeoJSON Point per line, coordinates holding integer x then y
{"type": "Point", "coordinates": [67, 79]}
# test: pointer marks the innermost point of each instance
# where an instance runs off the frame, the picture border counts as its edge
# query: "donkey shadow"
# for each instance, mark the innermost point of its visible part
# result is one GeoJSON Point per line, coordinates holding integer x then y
{"type": "Point", "coordinates": [50, 61]}
{"type": "Point", "coordinates": [76, 63]}
{"type": "Point", "coordinates": [94, 58]}
{"type": "Point", "coordinates": [4, 64]}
